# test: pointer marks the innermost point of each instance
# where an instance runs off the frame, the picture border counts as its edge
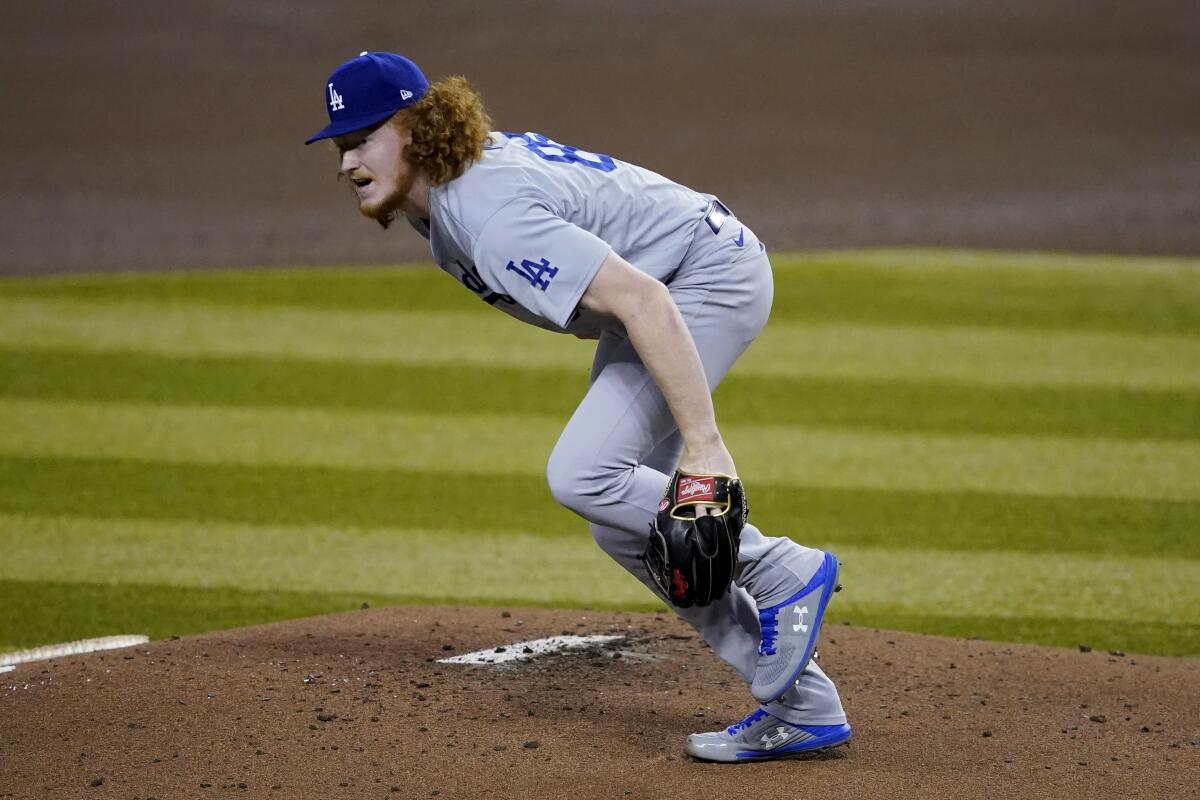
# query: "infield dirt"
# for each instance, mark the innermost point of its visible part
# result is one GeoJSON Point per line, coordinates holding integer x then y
{"type": "Point", "coordinates": [356, 705]}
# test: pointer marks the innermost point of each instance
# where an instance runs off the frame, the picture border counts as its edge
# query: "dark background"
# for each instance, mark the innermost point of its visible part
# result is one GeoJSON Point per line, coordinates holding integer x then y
{"type": "Point", "coordinates": [161, 135]}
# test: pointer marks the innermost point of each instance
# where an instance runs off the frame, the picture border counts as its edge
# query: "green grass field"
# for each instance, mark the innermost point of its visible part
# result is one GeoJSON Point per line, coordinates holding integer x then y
{"type": "Point", "coordinates": [996, 445]}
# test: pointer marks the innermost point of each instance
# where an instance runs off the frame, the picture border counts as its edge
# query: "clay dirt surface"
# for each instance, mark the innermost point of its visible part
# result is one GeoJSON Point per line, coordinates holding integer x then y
{"type": "Point", "coordinates": [356, 705]}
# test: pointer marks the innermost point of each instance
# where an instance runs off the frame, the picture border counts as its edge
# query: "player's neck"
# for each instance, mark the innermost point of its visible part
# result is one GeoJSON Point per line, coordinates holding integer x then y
{"type": "Point", "coordinates": [416, 203]}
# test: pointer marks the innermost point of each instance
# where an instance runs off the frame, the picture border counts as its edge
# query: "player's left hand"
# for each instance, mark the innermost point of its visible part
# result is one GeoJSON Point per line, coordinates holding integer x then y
{"type": "Point", "coordinates": [692, 551]}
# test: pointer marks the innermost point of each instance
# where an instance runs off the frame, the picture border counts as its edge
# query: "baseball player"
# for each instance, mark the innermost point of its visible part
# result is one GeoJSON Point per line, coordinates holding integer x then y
{"type": "Point", "coordinates": [675, 288]}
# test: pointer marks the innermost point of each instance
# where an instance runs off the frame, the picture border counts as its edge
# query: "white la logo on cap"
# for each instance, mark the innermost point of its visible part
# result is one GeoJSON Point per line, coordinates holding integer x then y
{"type": "Point", "coordinates": [335, 99]}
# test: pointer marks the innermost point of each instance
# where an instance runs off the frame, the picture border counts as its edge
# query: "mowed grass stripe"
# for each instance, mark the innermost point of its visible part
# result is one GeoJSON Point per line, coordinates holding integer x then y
{"type": "Point", "coordinates": [921, 287]}
{"type": "Point", "coordinates": [481, 337]}
{"type": "Point", "coordinates": [571, 571]}
{"type": "Point", "coordinates": [40, 612]}
{"type": "Point", "coordinates": [289, 383]}
{"type": "Point", "coordinates": [403, 287]}
{"type": "Point", "coordinates": [975, 355]}
{"type": "Point", "coordinates": [966, 354]}
{"type": "Point", "coordinates": [884, 405]}
{"type": "Point", "coordinates": [1156, 638]}
{"type": "Point", "coordinates": [992, 289]}
{"type": "Point", "coordinates": [365, 498]}
{"type": "Point", "coordinates": [44, 612]}
{"type": "Point", "coordinates": [944, 407]}
{"type": "Point", "coordinates": [519, 445]}
{"type": "Point", "coordinates": [382, 498]}
{"type": "Point", "coordinates": [475, 566]}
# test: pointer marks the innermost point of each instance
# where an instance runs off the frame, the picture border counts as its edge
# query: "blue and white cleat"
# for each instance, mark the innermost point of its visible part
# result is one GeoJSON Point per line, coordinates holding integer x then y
{"type": "Point", "coordinates": [761, 736]}
{"type": "Point", "coordinates": [789, 633]}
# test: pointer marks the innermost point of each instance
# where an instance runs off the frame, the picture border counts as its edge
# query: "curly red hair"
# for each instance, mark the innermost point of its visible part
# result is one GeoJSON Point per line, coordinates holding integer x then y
{"type": "Point", "coordinates": [449, 128]}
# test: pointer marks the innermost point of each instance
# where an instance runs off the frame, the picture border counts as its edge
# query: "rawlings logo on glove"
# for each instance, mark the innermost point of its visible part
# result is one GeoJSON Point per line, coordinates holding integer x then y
{"type": "Point", "coordinates": [693, 545]}
{"type": "Point", "coordinates": [696, 489]}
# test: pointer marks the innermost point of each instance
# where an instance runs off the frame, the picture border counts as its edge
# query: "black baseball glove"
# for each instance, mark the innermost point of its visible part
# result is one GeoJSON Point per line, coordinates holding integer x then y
{"type": "Point", "coordinates": [691, 556]}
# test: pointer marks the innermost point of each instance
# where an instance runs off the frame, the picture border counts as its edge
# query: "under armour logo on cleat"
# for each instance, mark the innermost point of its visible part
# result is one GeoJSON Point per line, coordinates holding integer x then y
{"type": "Point", "coordinates": [799, 624]}
{"type": "Point", "coordinates": [774, 738]}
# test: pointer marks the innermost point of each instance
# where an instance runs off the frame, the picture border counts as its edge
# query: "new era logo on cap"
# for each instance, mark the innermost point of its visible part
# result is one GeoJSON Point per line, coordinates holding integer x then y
{"type": "Point", "coordinates": [369, 89]}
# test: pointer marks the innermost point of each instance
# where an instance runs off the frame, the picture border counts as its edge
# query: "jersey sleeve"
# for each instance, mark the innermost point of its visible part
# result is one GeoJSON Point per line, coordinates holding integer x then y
{"type": "Point", "coordinates": [539, 259]}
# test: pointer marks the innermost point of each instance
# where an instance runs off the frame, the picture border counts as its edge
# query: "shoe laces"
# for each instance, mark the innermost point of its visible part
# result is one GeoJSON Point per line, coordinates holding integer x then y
{"type": "Point", "coordinates": [754, 717]}
{"type": "Point", "coordinates": [767, 621]}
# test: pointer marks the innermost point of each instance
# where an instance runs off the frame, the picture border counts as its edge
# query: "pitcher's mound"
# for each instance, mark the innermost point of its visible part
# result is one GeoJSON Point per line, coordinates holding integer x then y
{"type": "Point", "coordinates": [360, 705]}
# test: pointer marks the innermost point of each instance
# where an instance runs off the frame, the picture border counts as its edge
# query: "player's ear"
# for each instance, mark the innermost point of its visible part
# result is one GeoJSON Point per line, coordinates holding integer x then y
{"type": "Point", "coordinates": [403, 130]}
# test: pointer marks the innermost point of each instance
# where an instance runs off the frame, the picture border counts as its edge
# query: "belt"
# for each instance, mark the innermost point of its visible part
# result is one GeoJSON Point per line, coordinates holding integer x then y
{"type": "Point", "coordinates": [717, 213]}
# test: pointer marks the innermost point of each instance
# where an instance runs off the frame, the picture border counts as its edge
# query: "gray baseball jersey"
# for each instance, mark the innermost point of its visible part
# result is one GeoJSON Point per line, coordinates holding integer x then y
{"type": "Point", "coordinates": [527, 226]}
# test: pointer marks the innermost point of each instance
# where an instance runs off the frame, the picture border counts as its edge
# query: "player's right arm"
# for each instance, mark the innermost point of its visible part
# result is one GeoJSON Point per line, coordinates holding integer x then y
{"type": "Point", "coordinates": [662, 340]}
{"type": "Point", "coordinates": [551, 267]}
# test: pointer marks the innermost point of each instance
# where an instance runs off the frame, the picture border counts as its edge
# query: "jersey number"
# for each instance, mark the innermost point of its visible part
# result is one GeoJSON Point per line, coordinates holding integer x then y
{"type": "Point", "coordinates": [550, 150]}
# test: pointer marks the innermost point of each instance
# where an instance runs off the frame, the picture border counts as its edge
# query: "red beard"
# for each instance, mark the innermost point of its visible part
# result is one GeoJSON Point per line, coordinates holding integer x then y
{"type": "Point", "coordinates": [387, 209]}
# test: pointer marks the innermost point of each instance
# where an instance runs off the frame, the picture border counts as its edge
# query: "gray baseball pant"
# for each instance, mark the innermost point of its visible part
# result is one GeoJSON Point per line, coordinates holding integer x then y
{"type": "Point", "coordinates": [613, 459]}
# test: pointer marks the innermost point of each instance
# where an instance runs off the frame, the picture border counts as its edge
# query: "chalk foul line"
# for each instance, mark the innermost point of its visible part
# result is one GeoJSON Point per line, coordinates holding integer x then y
{"type": "Point", "coordinates": [69, 649]}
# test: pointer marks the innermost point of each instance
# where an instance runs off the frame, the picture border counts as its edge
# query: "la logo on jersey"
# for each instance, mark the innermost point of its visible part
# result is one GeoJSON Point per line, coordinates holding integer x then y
{"type": "Point", "coordinates": [538, 273]}
{"type": "Point", "coordinates": [335, 100]}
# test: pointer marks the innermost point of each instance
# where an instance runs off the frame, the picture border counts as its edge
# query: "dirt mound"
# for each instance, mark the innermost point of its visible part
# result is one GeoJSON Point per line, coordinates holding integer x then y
{"type": "Point", "coordinates": [357, 705]}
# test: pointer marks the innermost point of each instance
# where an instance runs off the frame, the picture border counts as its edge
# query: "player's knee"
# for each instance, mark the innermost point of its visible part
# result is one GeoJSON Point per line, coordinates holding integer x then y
{"type": "Point", "coordinates": [560, 489]}
{"type": "Point", "coordinates": [574, 483]}
{"type": "Point", "coordinates": [564, 482]}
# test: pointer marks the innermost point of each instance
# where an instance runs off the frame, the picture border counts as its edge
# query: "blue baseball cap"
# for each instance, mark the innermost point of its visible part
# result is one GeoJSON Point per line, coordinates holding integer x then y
{"type": "Point", "coordinates": [367, 90]}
